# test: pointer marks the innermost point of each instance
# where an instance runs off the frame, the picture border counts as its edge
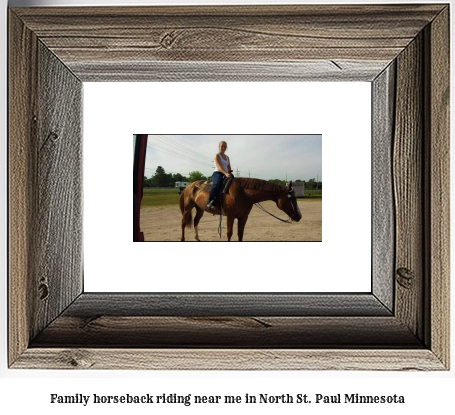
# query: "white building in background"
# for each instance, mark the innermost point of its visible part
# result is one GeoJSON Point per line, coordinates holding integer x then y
{"type": "Point", "coordinates": [299, 189]}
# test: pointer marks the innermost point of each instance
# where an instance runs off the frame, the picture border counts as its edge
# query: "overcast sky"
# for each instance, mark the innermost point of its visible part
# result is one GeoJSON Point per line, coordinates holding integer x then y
{"type": "Point", "coordinates": [261, 156]}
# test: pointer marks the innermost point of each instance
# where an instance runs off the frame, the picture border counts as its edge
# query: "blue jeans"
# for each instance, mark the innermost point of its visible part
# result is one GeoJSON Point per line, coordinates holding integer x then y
{"type": "Point", "coordinates": [217, 179]}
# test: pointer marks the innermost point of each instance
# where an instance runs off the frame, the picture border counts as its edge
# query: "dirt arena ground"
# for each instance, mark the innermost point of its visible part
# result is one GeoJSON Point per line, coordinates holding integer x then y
{"type": "Point", "coordinates": [164, 224]}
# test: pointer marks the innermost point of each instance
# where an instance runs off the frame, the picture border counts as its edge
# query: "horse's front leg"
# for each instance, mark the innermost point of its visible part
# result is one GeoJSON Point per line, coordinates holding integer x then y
{"type": "Point", "coordinates": [241, 226]}
{"type": "Point", "coordinates": [230, 227]}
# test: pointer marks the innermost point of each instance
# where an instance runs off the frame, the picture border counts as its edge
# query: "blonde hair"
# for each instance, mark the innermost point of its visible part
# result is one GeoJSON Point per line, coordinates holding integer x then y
{"type": "Point", "coordinates": [222, 142]}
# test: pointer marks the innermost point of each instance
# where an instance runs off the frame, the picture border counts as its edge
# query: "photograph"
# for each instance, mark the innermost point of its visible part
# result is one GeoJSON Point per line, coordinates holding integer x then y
{"type": "Point", "coordinates": [228, 187]}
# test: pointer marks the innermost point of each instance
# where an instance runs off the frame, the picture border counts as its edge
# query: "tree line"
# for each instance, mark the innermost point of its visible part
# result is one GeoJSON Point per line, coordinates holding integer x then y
{"type": "Point", "coordinates": [311, 184]}
{"type": "Point", "coordinates": [163, 179]}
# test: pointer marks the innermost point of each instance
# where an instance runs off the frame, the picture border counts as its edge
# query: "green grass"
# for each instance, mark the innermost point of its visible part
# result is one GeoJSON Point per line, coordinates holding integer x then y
{"type": "Point", "coordinates": [159, 197]}
{"type": "Point", "coordinates": [313, 194]}
{"type": "Point", "coordinates": [167, 197]}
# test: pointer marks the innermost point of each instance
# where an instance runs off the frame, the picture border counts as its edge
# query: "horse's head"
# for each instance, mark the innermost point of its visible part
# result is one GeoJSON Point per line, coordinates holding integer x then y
{"type": "Point", "coordinates": [287, 202]}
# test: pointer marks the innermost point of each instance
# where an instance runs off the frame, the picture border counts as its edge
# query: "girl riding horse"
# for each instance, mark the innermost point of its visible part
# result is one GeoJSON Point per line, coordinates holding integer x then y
{"type": "Point", "coordinates": [222, 169]}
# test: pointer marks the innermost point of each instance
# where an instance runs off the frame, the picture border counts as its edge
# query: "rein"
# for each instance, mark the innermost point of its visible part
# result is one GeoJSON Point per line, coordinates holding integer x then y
{"type": "Point", "coordinates": [221, 218]}
{"type": "Point", "coordinates": [289, 220]}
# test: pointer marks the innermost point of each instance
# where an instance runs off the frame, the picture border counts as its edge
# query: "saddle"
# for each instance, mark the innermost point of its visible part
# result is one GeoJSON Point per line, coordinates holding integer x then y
{"type": "Point", "coordinates": [206, 185]}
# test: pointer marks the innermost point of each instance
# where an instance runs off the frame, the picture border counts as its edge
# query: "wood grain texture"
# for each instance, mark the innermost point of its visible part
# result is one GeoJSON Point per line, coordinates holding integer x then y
{"type": "Point", "coordinates": [383, 214]}
{"type": "Point", "coordinates": [45, 187]}
{"type": "Point", "coordinates": [274, 34]}
{"type": "Point", "coordinates": [215, 305]}
{"type": "Point", "coordinates": [58, 203]}
{"type": "Point", "coordinates": [408, 188]}
{"type": "Point", "coordinates": [235, 359]}
{"type": "Point", "coordinates": [308, 71]}
{"type": "Point", "coordinates": [438, 197]}
{"type": "Point", "coordinates": [53, 49]}
{"type": "Point", "coordinates": [22, 168]}
{"type": "Point", "coordinates": [256, 332]}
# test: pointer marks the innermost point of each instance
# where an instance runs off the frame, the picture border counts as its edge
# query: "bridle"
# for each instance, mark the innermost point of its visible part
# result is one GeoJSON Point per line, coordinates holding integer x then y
{"type": "Point", "coordinates": [289, 220]}
{"type": "Point", "coordinates": [290, 194]}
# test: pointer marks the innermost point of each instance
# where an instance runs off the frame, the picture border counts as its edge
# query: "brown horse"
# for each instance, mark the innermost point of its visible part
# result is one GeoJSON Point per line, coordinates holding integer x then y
{"type": "Point", "coordinates": [237, 203]}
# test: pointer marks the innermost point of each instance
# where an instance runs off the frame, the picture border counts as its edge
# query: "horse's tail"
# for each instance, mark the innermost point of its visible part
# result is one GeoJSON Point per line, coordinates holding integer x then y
{"type": "Point", "coordinates": [187, 219]}
{"type": "Point", "coordinates": [182, 202]}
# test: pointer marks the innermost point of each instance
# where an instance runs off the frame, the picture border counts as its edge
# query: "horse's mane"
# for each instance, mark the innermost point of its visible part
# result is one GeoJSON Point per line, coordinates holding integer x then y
{"type": "Point", "coordinates": [258, 184]}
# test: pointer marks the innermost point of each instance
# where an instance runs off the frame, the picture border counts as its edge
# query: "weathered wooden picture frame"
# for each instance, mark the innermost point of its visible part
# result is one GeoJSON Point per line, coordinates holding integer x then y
{"type": "Point", "coordinates": [402, 324]}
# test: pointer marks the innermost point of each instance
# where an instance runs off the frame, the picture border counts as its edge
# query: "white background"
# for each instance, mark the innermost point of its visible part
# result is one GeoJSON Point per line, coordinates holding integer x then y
{"type": "Point", "coordinates": [28, 391]}
{"type": "Point", "coordinates": [339, 111]}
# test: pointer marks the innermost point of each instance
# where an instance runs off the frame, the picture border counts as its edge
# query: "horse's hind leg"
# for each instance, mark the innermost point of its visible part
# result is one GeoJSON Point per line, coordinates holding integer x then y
{"type": "Point", "coordinates": [183, 234]}
{"type": "Point", "coordinates": [186, 220]}
{"type": "Point", "coordinates": [187, 204]}
{"type": "Point", "coordinates": [183, 227]}
{"type": "Point", "coordinates": [197, 218]}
